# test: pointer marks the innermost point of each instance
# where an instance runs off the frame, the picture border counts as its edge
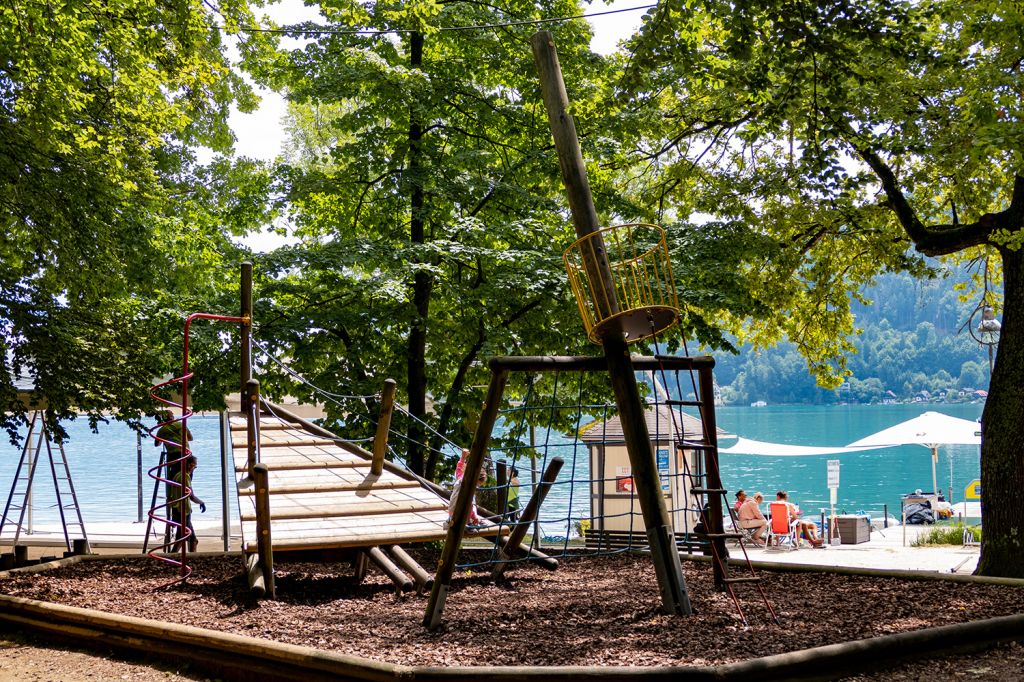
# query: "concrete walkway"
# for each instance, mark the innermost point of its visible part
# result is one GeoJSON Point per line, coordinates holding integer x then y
{"type": "Point", "coordinates": [884, 550]}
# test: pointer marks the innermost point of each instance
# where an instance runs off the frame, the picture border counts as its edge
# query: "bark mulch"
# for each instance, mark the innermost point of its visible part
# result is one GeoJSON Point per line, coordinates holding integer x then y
{"type": "Point", "coordinates": [593, 611]}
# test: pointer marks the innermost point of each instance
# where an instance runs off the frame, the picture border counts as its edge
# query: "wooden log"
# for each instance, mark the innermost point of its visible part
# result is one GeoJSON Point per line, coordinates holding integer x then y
{"type": "Point", "coordinates": [720, 569]}
{"type": "Point", "coordinates": [245, 335]}
{"type": "Point", "coordinates": [403, 583]}
{"type": "Point", "coordinates": [265, 425]}
{"type": "Point", "coordinates": [672, 585]}
{"type": "Point", "coordinates": [529, 514]}
{"type": "Point", "coordinates": [380, 441]}
{"type": "Point", "coordinates": [343, 511]}
{"type": "Point", "coordinates": [424, 581]}
{"type": "Point", "coordinates": [254, 575]}
{"type": "Point", "coordinates": [595, 363]}
{"type": "Point", "coordinates": [263, 538]}
{"type": "Point", "coordinates": [252, 439]}
{"type": "Point", "coordinates": [309, 465]}
{"type": "Point", "coordinates": [296, 443]}
{"type": "Point", "coordinates": [324, 488]}
{"type": "Point", "coordinates": [460, 511]}
{"type": "Point", "coordinates": [501, 472]}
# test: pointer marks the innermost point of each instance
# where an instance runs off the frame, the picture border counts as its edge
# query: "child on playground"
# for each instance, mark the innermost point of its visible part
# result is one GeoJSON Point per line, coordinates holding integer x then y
{"type": "Point", "coordinates": [176, 506]}
{"type": "Point", "coordinates": [474, 522]}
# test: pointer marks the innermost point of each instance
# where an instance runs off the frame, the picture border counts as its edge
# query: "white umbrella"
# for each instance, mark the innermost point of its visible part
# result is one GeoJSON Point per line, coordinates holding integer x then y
{"type": "Point", "coordinates": [931, 430]}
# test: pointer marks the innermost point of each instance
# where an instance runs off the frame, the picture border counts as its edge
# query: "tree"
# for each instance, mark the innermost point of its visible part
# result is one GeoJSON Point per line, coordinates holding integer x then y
{"type": "Point", "coordinates": [842, 134]}
{"type": "Point", "coordinates": [429, 212]}
{"type": "Point", "coordinates": [101, 204]}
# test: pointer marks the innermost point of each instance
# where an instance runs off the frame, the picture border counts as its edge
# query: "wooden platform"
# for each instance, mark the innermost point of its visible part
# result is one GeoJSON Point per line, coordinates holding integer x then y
{"type": "Point", "coordinates": [322, 495]}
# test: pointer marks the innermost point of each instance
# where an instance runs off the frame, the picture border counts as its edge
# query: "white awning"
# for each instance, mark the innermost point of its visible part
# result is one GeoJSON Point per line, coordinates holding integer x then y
{"type": "Point", "coordinates": [746, 446]}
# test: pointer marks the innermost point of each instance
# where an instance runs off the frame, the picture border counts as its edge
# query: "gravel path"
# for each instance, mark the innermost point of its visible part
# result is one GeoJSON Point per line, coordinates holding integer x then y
{"type": "Point", "coordinates": [589, 612]}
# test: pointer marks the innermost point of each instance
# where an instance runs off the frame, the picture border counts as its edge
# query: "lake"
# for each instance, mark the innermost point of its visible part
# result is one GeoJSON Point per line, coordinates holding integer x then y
{"type": "Point", "coordinates": [104, 464]}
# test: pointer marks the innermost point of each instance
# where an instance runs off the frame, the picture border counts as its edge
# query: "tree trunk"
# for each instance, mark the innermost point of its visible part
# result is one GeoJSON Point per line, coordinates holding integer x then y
{"type": "Point", "coordinates": [1002, 432]}
{"type": "Point", "coordinates": [421, 287]}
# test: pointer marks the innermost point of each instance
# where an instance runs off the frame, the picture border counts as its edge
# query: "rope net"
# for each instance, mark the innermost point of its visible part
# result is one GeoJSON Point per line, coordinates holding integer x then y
{"type": "Point", "coordinates": [591, 508]}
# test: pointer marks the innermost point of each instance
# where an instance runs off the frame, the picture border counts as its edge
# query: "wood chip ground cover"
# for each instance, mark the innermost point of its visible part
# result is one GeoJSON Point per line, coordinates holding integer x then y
{"type": "Point", "coordinates": [599, 611]}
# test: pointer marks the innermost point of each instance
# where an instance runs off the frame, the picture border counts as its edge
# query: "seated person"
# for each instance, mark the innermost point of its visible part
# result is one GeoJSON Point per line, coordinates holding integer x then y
{"type": "Point", "coordinates": [750, 516]}
{"type": "Point", "coordinates": [805, 529]}
{"type": "Point", "coordinates": [741, 497]}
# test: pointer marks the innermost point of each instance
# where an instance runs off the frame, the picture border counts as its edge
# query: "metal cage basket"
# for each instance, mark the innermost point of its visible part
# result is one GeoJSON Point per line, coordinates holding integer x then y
{"type": "Point", "coordinates": [641, 293]}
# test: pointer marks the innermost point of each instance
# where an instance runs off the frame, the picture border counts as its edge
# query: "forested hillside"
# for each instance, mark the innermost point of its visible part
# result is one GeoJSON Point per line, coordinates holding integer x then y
{"type": "Point", "coordinates": [914, 343]}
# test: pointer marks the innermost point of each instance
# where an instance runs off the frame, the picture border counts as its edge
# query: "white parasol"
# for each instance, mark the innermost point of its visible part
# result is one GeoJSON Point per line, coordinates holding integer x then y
{"type": "Point", "coordinates": [931, 430]}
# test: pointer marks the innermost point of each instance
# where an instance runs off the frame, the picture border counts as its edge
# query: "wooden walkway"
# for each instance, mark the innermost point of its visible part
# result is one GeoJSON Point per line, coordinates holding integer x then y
{"type": "Point", "coordinates": [322, 495]}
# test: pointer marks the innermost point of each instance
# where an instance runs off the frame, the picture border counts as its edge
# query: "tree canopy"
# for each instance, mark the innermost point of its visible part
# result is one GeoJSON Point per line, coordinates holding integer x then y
{"type": "Point", "coordinates": [103, 207]}
{"type": "Point", "coordinates": [421, 184]}
{"type": "Point", "coordinates": [839, 135]}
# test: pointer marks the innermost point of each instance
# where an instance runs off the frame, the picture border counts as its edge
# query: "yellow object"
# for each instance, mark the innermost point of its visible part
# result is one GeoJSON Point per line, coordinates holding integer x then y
{"type": "Point", "coordinates": [973, 490]}
{"type": "Point", "coordinates": [641, 294]}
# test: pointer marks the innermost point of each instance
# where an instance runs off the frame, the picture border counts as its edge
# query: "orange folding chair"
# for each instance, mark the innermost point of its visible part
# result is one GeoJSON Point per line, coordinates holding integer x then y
{"type": "Point", "coordinates": [782, 531]}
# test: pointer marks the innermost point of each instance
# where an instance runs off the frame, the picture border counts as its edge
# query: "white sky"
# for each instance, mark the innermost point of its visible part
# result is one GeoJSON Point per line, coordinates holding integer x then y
{"type": "Point", "coordinates": [260, 134]}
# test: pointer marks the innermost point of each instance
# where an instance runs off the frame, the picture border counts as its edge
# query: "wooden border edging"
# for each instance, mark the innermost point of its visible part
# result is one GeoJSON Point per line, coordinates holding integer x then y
{"type": "Point", "coordinates": [236, 657]}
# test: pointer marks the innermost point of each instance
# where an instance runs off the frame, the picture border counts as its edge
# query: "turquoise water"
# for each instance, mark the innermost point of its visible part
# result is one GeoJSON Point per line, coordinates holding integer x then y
{"type": "Point", "coordinates": [104, 465]}
{"type": "Point", "coordinates": [868, 479]}
{"type": "Point", "coordinates": [104, 468]}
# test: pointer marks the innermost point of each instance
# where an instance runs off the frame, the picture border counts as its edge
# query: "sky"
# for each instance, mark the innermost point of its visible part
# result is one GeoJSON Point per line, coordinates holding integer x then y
{"type": "Point", "coordinates": [260, 134]}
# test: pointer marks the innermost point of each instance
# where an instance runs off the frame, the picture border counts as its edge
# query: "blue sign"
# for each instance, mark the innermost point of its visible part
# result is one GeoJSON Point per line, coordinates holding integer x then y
{"type": "Point", "coordinates": [663, 470]}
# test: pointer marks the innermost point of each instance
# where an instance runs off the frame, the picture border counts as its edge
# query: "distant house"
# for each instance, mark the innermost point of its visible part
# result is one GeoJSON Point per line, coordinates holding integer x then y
{"type": "Point", "coordinates": [613, 503]}
{"type": "Point", "coordinates": [759, 403]}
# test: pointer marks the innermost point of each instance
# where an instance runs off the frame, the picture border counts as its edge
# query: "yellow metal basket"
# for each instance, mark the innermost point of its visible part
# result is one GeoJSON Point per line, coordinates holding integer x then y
{"type": "Point", "coordinates": [642, 293]}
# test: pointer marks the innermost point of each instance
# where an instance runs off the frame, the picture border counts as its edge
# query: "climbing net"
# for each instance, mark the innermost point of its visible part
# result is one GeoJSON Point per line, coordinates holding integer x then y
{"type": "Point", "coordinates": [566, 411]}
{"type": "Point", "coordinates": [591, 507]}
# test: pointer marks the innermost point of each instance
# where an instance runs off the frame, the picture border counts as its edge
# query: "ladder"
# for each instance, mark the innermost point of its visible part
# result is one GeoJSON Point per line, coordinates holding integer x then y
{"type": "Point", "coordinates": [20, 498]}
{"type": "Point", "coordinates": [705, 485]}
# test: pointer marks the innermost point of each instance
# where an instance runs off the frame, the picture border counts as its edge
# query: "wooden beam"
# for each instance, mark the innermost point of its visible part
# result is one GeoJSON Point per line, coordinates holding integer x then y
{"type": "Point", "coordinates": [345, 511]}
{"type": "Point", "coordinates": [424, 581]}
{"type": "Point", "coordinates": [264, 444]}
{"type": "Point", "coordinates": [529, 514]}
{"type": "Point", "coordinates": [403, 583]}
{"type": "Point", "coordinates": [306, 466]}
{"type": "Point", "coordinates": [322, 488]}
{"type": "Point", "coordinates": [264, 540]}
{"type": "Point", "coordinates": [460, 511]}
{"type": "Point", "coordinates": [380, 441]}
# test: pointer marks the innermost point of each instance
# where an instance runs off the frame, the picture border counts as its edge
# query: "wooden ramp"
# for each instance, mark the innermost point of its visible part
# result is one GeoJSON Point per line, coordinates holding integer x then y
{"type": "Point", "coordinates": [322, 495]}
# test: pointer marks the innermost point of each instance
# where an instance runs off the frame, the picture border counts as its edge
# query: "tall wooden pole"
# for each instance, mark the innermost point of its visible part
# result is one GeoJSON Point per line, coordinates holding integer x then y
{"type": "Point", "coordinates": [671, 583]}
{"type": "Point", "coordinates": [246, 335]}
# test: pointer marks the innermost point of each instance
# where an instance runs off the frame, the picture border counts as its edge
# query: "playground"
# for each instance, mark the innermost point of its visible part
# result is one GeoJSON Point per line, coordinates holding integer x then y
{"type": "Point", "coordinates": [352, 566]}
{"type": "Point", "coordinates": [588, 613]}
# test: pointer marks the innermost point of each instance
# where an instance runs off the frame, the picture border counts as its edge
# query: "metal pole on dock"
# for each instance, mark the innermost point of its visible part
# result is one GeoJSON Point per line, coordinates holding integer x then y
{"type": "Point", "coordinates": [138, 460]}
{"type": "Point", "coordinates": [671, 583]}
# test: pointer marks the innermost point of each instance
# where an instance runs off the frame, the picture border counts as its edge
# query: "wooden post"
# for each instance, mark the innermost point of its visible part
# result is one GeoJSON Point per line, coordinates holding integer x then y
{"type": "Point", "coordinates": [460, 511]}
{"type": "Point", "coordinates": [502, 478]}
{"type": "Point", "coordinates": [245, 290]}
{"type": "Point", "coordinates": [380, 441]}
{"type": "Point", "coordinates": [264, 541]}
{"type": "Point", "coordinates": [252, 431]}
{"type": "Point", "coordinates": [664, 554]}
{"type": "Point", "coordinates": [227, 468]}
{"type": "Point", "coordinates": [714, 476]}
{"type": "Point", "coordinates": [254, 575]}
{"type": "Point", "coordinates": [529, 514]}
